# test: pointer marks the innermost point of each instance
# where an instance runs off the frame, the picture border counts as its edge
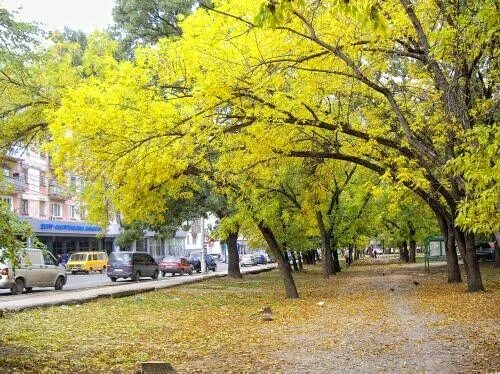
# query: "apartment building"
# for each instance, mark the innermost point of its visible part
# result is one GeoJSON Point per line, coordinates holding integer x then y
{"type": "Point", "coordinates": [30, 189]}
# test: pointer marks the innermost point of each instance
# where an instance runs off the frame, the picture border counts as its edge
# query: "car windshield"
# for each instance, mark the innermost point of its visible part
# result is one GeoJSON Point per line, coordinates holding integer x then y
{"type": "Point", "coordinates": [78, 257]}
{"type": "Point", "coordinates": [195, 255]}
{"type": "Point", "coordinates": [121, 257]}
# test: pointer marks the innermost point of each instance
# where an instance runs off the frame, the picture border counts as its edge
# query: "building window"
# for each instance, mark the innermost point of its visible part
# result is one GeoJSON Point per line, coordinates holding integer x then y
{"type": "Point", "coordinates": [73, 181]}
{"type": "Point", "coordinates": [24, 207]}
{"type": "Point", "coordinates": [83, 213]}
{"type": "Point", "coordinates": [42, 208]}
{"type": "Point", "coordinates": [42, 178]}
{"type": "Point", "coordinates": [72, 212]}
{"type": "Point", "coordinates": [56, 210]}
{"type": "Point", "coordinates": [7, 200]}
{"type": "Point", "coordinates": [6, 172]}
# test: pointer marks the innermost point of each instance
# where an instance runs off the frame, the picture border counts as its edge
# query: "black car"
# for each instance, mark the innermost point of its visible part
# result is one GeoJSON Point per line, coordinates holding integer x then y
{"type": "Point", "coordinates": [133, 265]}
{"type": "Point", "coordinates": [485, 252]}
{"type": "Point", "coordinates": [195, 261]}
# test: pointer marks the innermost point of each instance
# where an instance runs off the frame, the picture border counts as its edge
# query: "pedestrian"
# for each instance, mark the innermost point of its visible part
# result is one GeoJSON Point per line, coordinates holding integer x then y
{"type": "Point", "coordinates": [374, 252]}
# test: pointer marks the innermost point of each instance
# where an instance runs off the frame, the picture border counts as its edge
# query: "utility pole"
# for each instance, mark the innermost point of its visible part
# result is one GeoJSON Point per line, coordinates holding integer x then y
{"type": "Point", "coordinates": [203, 248]}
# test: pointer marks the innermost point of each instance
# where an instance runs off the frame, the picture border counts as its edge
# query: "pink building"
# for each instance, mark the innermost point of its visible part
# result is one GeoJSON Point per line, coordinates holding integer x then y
{"type": "Point", "coordinates": [30, 189]}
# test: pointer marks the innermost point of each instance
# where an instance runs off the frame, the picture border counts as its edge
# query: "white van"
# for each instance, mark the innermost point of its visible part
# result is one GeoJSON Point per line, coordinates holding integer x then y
{"type": "Point", "coordinates": [37, 269]}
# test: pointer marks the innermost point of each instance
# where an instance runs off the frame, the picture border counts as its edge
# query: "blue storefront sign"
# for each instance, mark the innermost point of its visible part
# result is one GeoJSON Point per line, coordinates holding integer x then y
{"type": "Point", "coordinates": [68, 227]}
{"type": "Point", "coordinates": [65, 228]}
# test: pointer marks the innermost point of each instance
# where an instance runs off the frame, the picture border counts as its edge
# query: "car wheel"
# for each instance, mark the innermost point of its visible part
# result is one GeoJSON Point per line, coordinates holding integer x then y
{"type": "Point", "coordinates": [17, 287]}
{"type": "Point", "coordinates": [163, 273]}
{"type": "Point", "coordinates": [90, 271]}
{"type": "Point", "coordinates": [59, 284]}
{"type": "Point", "coordinates": [103, 269]}
{"type": "Point", "coordinates": [155, 274]}
{"type": "Point", "coordinates": [190, 272]}
{"type": "Point", "coordinates": [113, 279]}
{"type": "Point", "coordinates": [215, 268]}
{"type": "Point", "coordinates": [137, 276]}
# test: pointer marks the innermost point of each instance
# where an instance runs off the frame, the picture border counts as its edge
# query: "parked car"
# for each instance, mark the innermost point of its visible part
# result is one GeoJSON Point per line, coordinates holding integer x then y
{"type": "Point", "coordinates": [216, 256]}
{"type": "Point", "coordinates": [87, 262]}
{"type": "Point", "coordinates": [260, 259]}
{"type": "Point", "coordinates": [37, 269]}
{"type": "Point", "coordinates": [248, 260]}
{"type": "Point", "coordinates": [485, 252]}
{"type": "Point", "coordinates": [195, 261]}
{"type": "Point", "coordinates": [133, 265]}
{"type": "Point", "coordinates": [175, 265]}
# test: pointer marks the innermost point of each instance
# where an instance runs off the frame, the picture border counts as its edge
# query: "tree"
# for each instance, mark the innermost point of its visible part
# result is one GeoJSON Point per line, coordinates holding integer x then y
{"type": "Point", "coordinates": [386, 66]}
{"type": "Point", "coordinates": [14, 235]}
{"type": "Point", "coordinates": [338, 90]}
{"type": "Point", "coordinates": [147, 21]}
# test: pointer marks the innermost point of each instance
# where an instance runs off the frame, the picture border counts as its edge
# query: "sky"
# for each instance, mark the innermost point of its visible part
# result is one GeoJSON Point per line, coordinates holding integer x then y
{"type": "Point", "coordinates": [85, 15]}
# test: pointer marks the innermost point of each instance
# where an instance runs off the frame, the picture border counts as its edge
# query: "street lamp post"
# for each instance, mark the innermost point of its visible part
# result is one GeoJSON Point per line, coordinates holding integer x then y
{"type": "Point", "coordinates": [203, 248]}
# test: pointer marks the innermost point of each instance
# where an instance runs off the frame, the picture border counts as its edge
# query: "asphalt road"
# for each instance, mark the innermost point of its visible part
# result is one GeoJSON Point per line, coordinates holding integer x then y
{"type": "Point", "coordinates": [93, 280]}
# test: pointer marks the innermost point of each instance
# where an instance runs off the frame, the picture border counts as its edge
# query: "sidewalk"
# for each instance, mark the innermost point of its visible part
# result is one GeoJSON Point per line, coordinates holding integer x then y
{"type": "Point", "coordinates": [81, 296]}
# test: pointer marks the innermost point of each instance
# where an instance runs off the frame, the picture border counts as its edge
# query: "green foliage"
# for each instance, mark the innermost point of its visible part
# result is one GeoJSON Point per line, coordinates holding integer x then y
{"type": "Point", "coordinates": [146, 21]}
{"type": "Point", "coordinates": [14, 235]}
{"type": "Point", "coordinates": [479, 165]}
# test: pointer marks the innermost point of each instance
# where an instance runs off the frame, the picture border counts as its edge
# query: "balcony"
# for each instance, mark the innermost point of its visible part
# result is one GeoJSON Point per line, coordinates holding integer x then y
{"type": "Point", "coordinates": [57, 192]}
{"type": "Point", "coordinates": [14, 184]}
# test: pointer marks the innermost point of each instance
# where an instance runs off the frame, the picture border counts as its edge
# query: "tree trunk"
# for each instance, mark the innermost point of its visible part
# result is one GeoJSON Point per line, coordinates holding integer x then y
{"type": "Point", "coordinates": [449, 246]}
{"type": "Point", "coordinates": [413, 244]}
{"type": "Point", "coordinates": [460, 239]}
{"type": "Point", "coordinates": [326, 249]}
{"type": "Point", "coordinates": [474, 281]}
{"type": "Point", "coordinates": [496, 240]}
{"type": "Point", "coordinates": [336, 263]}
{"type": "Point", "coordinates": [286, 271]}
{"type": "Point", "coordinates": [299, 257]}
{"type": "Point", "coordinates": [294, 261]}
{"type": "Point", "coordinates": [233, 267]}
{"type": "Point", "coordinates": [404, 256]}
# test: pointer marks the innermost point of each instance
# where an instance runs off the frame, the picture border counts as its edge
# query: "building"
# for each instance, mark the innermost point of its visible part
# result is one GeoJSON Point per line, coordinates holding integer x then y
{"type": "Point", "coordinates": [30, 189]}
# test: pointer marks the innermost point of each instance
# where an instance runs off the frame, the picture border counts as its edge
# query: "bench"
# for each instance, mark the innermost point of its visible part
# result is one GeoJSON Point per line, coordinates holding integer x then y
{"type": "Point", "coordinates": [428, 259]}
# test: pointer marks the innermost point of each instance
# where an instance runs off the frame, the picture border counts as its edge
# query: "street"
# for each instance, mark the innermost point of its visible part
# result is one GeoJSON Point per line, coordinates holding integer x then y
{"type": "Point", "coordinates": [93, 280]}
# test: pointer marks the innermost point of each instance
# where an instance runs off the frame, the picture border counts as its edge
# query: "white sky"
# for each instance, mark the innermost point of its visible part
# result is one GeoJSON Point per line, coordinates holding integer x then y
{"type": "Point", "coordinates": [85, 15]}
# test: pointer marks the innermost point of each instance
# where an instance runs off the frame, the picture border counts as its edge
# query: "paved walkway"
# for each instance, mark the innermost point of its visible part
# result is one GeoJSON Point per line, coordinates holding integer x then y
{"type": "Point", "coordinates": [51, 298]}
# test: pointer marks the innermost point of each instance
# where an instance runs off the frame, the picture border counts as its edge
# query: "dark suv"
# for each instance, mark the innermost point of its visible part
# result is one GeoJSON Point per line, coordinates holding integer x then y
{"type": "Point", "coordinates": [131, 265]}
{"type": "Point", "coordinates": [195, 261]}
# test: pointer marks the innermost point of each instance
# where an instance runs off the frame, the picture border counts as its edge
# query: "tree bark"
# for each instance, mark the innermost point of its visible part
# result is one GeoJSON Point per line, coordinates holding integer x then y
{"type": "Point", "coordinates": [449, 246]}
{"type": "Point", "coordinates": [336, 263]}
{"type": "Point", "coordinates": [326, 249]}
{"type": "Point", "coordinates": [286, 271]}
{"type": "Point", "coordinates": [233, 267]}
{"type": "Point", "coordinates": [474, 281]}
{"type": "Point", "coordinates": [404, 251]}
{"type": "Point", "coordinates": [413, 244]}
{"type": "Point", "coordinates": [294, 261]}
{"type": "Point", "coordinates": [299, 257]}
{"type": "Point", "coordinates": [460, 239]}
{"type": "Point", "coordinates": [496, 240]}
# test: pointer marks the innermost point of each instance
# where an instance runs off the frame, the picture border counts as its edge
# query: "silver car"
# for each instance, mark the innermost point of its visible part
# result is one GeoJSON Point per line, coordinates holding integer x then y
{"type": "Point", "coordinates": [38, 269]}
{"type": "Point", "coordinates": [248, 260]}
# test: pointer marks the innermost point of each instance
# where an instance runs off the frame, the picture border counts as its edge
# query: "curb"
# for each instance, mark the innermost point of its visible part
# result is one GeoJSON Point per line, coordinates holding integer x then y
{"type": "Point", "coordinates": [88, 295]}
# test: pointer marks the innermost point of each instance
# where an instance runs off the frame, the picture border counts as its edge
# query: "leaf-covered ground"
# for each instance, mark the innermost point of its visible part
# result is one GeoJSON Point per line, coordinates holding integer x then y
{"type": "Point", "coordinates": [371, 319]}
